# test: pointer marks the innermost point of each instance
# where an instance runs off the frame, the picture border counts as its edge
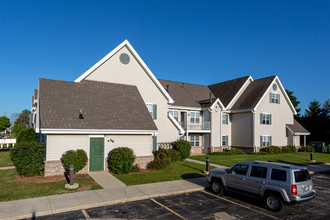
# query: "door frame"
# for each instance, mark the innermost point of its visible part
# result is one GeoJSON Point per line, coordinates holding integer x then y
{"type": "Point", "coordinates": [104, 146]}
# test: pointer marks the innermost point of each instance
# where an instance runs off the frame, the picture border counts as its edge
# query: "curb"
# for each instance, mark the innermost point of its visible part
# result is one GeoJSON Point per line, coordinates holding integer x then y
{"type": "Point", "coordinates": [95, 205]}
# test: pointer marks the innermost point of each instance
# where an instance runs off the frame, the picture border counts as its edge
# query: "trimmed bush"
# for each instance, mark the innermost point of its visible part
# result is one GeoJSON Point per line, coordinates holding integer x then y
{"type": "Point", "coordinates": [183, 147]}
{"type": "Point", "coordinates": [121, 160]}
{"type": "Point", "coordinates": [230, 152]}
{"type": "Point", "coordinates": [289, 149]}
{"type": "Point", "coordinates": [160, 162]}
{"type": "Point", "coordinates": [308, 148]}
{"type": "Point", "coordinates": [271, 150]}
{"type": "Point", "coordinates": [29, 158]}
{"type": "Point", "coordinates": [172, 155]}
{"type": "Point", "coordinates": [27, 135]}
{"type": "Point", "coordinates": [17, 129]}
{"type": "Point", "coordinates": [76, 157]}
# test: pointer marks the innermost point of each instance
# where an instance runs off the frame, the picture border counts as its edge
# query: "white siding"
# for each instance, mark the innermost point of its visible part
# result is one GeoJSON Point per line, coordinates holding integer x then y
{"type": "Point", "coordinates": [141, 144]}
{"type": "Point", "coordinates": [215, 126]}
{"type": "Point", "coordinates": [242, 129]}
{"type": "Point", "coordinates": [58, 144]}
{"type": "Point", "coordinates": [133, 74]}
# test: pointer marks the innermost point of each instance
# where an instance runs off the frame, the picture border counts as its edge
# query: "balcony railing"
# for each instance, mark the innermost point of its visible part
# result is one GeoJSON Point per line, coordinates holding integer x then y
{"type": "Point", "coordinates": [195, 126]}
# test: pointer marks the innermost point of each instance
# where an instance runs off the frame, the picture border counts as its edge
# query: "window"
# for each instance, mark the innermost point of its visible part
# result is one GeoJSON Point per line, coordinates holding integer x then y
{"type": "Point", "coordinates": [240, 169]}
{"type": "Point", "coordinates": [175, 114]}
{"type": "Point", "coordinates": [278, 175]}
{"type": "Point", "coordinates": [301, 176]}
{"type": "Point", "coordinates": [274, 98]}
{"type": "Point", "coordinates": [225, 140]}
{"type": "Point", "coordinates": [154, 143]}
{"type": "Point", "coordinates": [260, 172]}
{"type": "Point", "coordinates": [194, 140]}
{"type": "Point", "coordinates": [194, 117]}
{"type": "Point", "coordinates": [225, 117]}
{"type": "Point", "coordinates": [265, 141]}
{"type": "Point", "coordinates": [265, 119]}
{"type": "Point", "coordinates": [152, 110]}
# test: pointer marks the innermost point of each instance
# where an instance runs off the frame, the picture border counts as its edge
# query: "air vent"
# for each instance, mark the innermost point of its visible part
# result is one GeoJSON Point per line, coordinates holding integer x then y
{"type": "Point", "coordinates": [124, 58]}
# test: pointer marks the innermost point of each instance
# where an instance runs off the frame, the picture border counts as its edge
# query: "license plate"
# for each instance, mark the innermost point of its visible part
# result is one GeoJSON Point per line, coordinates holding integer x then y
{"type": "Point", "coordinates": [306, 188]}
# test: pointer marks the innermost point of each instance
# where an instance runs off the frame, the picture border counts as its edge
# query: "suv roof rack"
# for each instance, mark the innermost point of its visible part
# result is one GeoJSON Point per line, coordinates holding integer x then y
{"type": "Point", "coordinates": [271, 163]}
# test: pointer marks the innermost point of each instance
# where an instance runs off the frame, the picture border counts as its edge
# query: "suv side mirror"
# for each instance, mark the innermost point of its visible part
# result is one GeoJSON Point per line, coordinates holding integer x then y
{"type": "Point", "coordinates": [228, 170]}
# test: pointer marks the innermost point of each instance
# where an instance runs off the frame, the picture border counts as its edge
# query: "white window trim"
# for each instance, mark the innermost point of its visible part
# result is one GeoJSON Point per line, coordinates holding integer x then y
{"type": "Point", "coordinates": [267, 118]}
{"type": "Point", "coordinates": [224, 116]}
{"type": "Point", "coordinates": [193, 142]}
{"type": "Point", "coordinates": [195, 121]}
{"type": "Point", "coordinates": [273, 97]}
{"type": "Point", "coordinates": [172, 113]}
{"type": "Point", "coordinates": [265, 139]}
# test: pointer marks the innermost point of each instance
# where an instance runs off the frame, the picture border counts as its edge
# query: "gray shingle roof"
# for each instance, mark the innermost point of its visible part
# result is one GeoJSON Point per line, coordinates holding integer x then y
{"type": "Point", "coordinates": [186, 94]}
{"type": "Point", "coordinates": [296, 127]}
{"type": "Point", "coordinates": [253, 93]}
{"type": "Point", "coordinates": [104, 105]}
{"type": "Point", "coordinates": [226, 91]}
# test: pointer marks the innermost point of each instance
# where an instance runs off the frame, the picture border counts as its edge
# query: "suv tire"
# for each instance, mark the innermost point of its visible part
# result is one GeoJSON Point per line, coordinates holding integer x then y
{"type": "Point", "coordinates": [217, 186]}
{"type": "Point", "coordinates": [274, 202]}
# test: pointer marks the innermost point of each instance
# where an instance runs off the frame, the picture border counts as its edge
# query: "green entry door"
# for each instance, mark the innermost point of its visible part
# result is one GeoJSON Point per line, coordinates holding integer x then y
{"type": "Point", "coordinates": [96, 152]}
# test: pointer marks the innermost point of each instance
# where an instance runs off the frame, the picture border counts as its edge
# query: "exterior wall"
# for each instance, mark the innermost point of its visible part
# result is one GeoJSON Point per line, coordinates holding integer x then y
{"type": "Point", "coordinates": [215, 126]}
{"type": "Point", "coordinates": [143, 162]}
{"type": "Point", "coordinates": [141, 144]}
{"type": "Point", "coordinates": [242, 129]}
{"type": "Point", "coordinates": [297, 140]}
{"type": "Point", "coordinates": [133, 74]}
{"type": "Point", "coordinates": [58, 144]}
{"type": "Point", "coordinates": [281, 115]}
{"type": "Point", "coordinates": [53, 168]}
{"type": "Point", "coordinates": [226, 129]}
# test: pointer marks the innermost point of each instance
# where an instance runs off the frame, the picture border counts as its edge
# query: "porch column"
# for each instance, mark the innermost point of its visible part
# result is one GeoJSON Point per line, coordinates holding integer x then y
{"type": "Point", "coordinates": [304, 140]}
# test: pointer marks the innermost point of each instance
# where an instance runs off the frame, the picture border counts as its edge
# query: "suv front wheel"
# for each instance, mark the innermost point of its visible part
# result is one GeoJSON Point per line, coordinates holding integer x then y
{"type": "Point", "coordinates": [217, 186]}
{"type": "Point", "coordinates": [273, 202]}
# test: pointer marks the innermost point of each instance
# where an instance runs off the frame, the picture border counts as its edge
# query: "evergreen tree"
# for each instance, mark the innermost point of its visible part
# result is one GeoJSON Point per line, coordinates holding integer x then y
{"type": "Point", "coordinates": [294, 102]}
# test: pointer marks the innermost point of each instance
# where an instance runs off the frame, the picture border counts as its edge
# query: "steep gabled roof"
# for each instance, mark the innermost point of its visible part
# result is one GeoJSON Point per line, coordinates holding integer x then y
{"type": "Point", "coordinates": [188, 95]}
{"type": "Point", "coordinates": [297, 128]}
{"type": "Point", "coordinates": [137, 57]}
{"type": "Point", "coordinates": [107, 106]}
{"type": "Point", "coordinates": [253, 93]}
{"type": "Point", "coordinates": [227, 90]}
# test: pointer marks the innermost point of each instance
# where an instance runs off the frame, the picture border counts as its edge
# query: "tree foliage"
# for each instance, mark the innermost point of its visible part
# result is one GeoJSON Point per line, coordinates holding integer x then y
{"type": "Point", "coordinates": [294, 101]}
{"type": "Point", "coordinates": [4, 123]}
{"type": "Point", "coordinates": [17, 129]}
{"type": "Point", "coordinates": [23, 118]}
{"type": "Point", "coordinates": [27, 135]}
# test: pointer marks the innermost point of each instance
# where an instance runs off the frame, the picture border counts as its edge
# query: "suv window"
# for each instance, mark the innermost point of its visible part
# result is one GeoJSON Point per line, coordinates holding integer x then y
{"type": "Point", "coordinates": [240, 169]}
{"type": "Point", "coordinates": [301, 176]}
{"type": "Point", "coordinates": [260, 172]}
{"type": "Point", "coordinates": [278, 175]}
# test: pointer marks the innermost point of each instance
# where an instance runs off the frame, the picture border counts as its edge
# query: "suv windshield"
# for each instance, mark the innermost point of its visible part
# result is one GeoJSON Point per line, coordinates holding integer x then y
{"type": "Point", "coordinates": [301, 175]}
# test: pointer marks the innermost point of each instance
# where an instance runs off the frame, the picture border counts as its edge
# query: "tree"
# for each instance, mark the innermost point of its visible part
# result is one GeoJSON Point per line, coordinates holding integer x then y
{"type": "Point", "coordinates": [14, 117]}
{"type": "Point", "coordinates": [24, 118]}
{"type": "Point", "coordinates": [4, 123]}
{"type": "Point", "coordinates": [27, 135]}
{"type": "Point", "coordinates": [294, 102]}
{"type": "Point", "coordinates": [17, 129]}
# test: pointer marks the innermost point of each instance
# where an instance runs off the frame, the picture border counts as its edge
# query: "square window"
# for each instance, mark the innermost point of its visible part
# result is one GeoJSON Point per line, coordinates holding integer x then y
{"type": "Point", "coordinates": [194, 140]}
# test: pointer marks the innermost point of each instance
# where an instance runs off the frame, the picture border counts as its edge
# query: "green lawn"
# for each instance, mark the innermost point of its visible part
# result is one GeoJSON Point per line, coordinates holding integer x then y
{"type": "Point", "coordinates": [12, 189]}
{"type": "Point", "coordinates": [294, 158]}
{"type": "Point", "coordinates": [5, 159]}
{"type": "Point", "coordinates": [176, 171]}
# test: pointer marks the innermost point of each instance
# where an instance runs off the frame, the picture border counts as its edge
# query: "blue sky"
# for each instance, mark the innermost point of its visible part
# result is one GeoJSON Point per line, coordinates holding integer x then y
{"type": "Point", "coordinates": [201, 42]}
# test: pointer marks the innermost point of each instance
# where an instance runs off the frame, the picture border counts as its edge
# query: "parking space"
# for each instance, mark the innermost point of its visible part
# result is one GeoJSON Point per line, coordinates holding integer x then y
{"type": "Point", "coordinates": [206, 205]}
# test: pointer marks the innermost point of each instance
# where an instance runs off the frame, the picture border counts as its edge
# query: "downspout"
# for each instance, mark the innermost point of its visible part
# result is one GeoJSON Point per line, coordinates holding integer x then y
{"type": "Point", "coordinates": [254, 131]}
{"type": "Point", "coordinates": [221, 147]}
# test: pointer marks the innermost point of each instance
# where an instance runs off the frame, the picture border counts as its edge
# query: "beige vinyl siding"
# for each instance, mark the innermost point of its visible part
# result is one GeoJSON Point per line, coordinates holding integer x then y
{"type": "Point", "coordinates": [242, 129]}
{"type": "Point", "coordinates": [215, 126]}
{"type": "Point", "coordinates": [281, 114]}
{"type": "Point", "coordinates": [58, 144]}
{"type": "Point", "coordinates": [141, 144]}
{"type": "Point", "coordinates": [133, 74]}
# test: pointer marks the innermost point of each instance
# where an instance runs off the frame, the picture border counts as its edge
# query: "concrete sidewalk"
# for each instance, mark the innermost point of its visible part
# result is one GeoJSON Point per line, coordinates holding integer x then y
{"type": "Point", "coordinates": [106, 180]}
{"type": "Point", "coordinates": [7, 168]}
{"type": "Point", "coordinates": [204, 163]}
{"type": "Point", "coordinates": [27, 208]}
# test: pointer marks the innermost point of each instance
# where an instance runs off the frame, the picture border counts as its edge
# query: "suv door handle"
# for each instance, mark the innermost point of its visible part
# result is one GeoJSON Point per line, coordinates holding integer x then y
{"type": "Point", "coordinates": [263, 182]}
{"type": "Point", "coordinates": [243, 178]}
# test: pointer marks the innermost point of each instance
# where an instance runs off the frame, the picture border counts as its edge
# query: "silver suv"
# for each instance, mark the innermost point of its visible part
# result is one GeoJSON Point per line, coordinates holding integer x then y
{"type": "Point", "coordinates": [276, 183]}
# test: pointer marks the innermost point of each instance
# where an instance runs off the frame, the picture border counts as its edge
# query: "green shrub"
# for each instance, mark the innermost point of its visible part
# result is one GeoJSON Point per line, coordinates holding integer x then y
{"type": "Point", "coordinates": [231, 152]}
{"type": "Point", "coordinates": [135, 168]}
{"type": "Point", "coordinates": [308, 148]}
{"type": "Point", "coordinates": [183, 147]}
{"type": "Point", "coordinates": [289, 149]}
{"type": "Point", "coordinates": [121, 160]}
{"type": "Point", "coordinates": [17, 129]}
{"type": "Point", "coordinates": [160, 162]}
{"type": "Point", "coordinates": [172, 155]}
{"type": "Point", "coordinates": [29, 158]}
{"type": "Point", "coordinates": [76, 157]}
{"type": "Point", "coordinates": [27, 135]}
{"type": "Point", "coordinates": [259, 153]}
{"type": "Point", "coordinates": [271, 150]}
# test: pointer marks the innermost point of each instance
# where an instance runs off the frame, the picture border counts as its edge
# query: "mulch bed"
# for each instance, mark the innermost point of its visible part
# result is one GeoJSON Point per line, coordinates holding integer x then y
{"type": "Point", "coordinates": [48, 179]}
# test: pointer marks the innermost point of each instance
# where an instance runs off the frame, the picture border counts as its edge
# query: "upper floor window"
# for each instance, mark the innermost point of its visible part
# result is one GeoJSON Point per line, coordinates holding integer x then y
{"type": "Point", "coordinates": [265, 119]}
{"type": "Point", "coordinates": [274, 98]}
{"type": "Point", "coordinates": [225, 117]}
{"type": "Point", "coordinates": [265, 141]}
{"type": "Point", "coordinates": [152, 110]}
{"type": "Point", "coordinates": [175, 114]}
{"type": "Point", "coordinates": [194, 117]}
{"type": "Point", "coordinates": [194, 140]}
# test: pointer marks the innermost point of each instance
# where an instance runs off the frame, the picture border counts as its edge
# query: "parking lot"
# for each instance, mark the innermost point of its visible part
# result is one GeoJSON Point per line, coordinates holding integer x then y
{"type": "Point", "coordinates": [206, 205]}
